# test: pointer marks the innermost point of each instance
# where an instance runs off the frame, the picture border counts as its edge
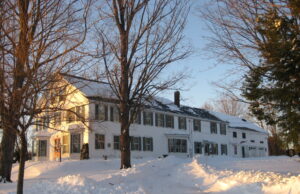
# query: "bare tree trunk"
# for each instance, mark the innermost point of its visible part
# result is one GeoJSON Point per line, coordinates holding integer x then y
{"type": "Point", "coordinates": [6, 155]}
{"type": "Point", "coordinates": [149, 36]}
{"type": "Point", "coordinates": [125, 146]}
{"type": "Point", "coordinates": [124, 103]}
{"type": "Point", "coordinates": [23, 153]}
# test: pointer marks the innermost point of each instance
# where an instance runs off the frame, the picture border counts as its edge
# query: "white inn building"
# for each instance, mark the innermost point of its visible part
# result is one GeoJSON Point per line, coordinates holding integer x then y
{"type": "Point", "coordinates": [162, 128]}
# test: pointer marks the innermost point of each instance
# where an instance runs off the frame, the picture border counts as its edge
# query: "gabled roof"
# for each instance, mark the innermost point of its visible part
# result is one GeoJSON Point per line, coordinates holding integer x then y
{"type": "Point", "coordinates": [238, 123]}
{"type": "Point", "coordinates": [90, 88]}
{"type": "Point", "coordinates": [93, 89]}
{"type": "Point", "coordinates": [166, 105]}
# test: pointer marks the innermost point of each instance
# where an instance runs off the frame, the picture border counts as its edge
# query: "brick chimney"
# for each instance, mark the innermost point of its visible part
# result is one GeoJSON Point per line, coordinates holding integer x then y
{"type": "Point", "coordinates": [177, 98]}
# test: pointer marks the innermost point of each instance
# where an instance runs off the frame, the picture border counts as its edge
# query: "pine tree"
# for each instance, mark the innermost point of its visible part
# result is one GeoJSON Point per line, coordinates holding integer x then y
{"type": "Point", "coordinates": [273, 87]}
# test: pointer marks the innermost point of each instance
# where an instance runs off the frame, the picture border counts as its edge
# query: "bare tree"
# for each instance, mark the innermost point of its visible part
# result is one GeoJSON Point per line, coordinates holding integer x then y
{"type": "Point", "coordinates": [262, 38]}
{"type": "Point", "coordinates": [140, 39]}
{"type": "Point", "coordinates": [228, 105]}
{"type": "Point", "coordinates": [38, 41]}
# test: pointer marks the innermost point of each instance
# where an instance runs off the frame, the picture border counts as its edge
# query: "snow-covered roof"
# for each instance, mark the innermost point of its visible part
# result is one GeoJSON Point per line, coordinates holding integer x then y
{"type": "Point", "coordinates": [167, 105]}
{"type": "Point", "coordinates": [92, 88]}
{"type": "Point", "coordinates": [237, 122]}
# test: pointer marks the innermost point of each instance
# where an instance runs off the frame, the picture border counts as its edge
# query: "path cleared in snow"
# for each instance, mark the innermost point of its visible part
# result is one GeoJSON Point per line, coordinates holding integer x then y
{"type": "Point", "coordinates": [168, 175]}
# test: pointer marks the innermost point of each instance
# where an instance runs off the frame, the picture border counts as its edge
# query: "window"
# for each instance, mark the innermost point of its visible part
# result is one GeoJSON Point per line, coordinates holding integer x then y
{"type": "Point", "coordinates": [214, 149]}
{"type": "Point", "coordinates": [170, 121]}
{"type": "Point", "coordinates": [99, 141]}
{"type": "Point", "coordinates": [71, 117]}
{"type": "Point", "coordinates": [136, 143]}
{"type": "Point", "coordinates": [75, 143]}
{"type": "Point", "coordinates": [223, 149]}
{"type": "Point", "coordinates": [198, 147]}
{"type": "Point", "coordinates": [159, 120]}
{"type": "Point", "coordinates": [182, 123]}
{"type": "Point", "coordinates": [62, 94]}
{"type": "Point", "coordinates": [177, 145]}
{"type": "Point", "coordinates": [148, 118]}
{"type": "Point", "coordinates": [101, 112]}
{"type": "Point", "coordinates": [197, 125]}
{"type": "Point", "coordinates": [37, 124]}
{"type": "Point", "coordinates": [57, 118]}
{"type": "Point", "coordinates": [234, 134]}
{"type": "Point", "coordinates": [223, 129]}
{"type": "Point", "coordinates": [42, 148]}
{"type": "Point", "coordinates": [211, 148]}
{"type": "Point", "coordinates": [80, 113]}
{"type": "Point", "coordinates": [114, 114]}
{"type": "Point", "coordinates": [235, 149]}
{"type": "Point", "coordinates": [213, 128]}
{"type": "Point", "coordinates": [261, 142]}
{"type": "Point", "coordinates": [137, 119]}
{"type": "Point", "coordinates": [66, 144]}
{"type": "Point", "coordinates": [252, 141]}
{"type": "Point", "coordinates": [43, 122]}
{"type": "Point", "coordinates": [147, 144]}
{"type": "Point", "coordinates": [116, 142]}
{"type": "Point", "coordinates": [244, 135]}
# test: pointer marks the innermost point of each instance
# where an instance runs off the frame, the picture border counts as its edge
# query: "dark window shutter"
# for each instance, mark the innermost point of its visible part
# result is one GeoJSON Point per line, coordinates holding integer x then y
{"type": "Point", "coordinates": [151, 143]}
{"type": "Point", "coordinates": [140, 144]}
{"type": "Point", "coordinates": [106, 113]}
{"type": "Point", "coordinates": [144, 143]}
{"type": "Point", "coordinates": [111, 113]}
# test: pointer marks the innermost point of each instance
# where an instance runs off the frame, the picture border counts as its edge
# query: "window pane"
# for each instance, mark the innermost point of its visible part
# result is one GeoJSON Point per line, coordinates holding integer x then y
{"type": "Point", "coordinates": [136, 143]}
{"type": "Point", "coordinates": [66, 144]}
{"type": "Point", "coordinates": [99, 141]}
{"type": "Point", "coordinates": [71, 115]}
{"type": "Point", "coordinates": [75, 143]}
{"type": "Point", "coordinates": [117, 142]}
{"type": "Point", "coordinates": [213, 128]}
{"type": "Point", "coordinates": [181, 122]}
{"type": "Point", "coordinates": [159, 120]}
{"type": "Point", "coordinates": [169, 121]}
{"type": "Point", "coordinates": [234, 134]}
{"type": "Point", "coordinates": [114, 114]}
{"type": "Point", "coordinates": [197, 125]}
{"type": "Point", "coordinates": [223, 129]}
{"type": "Point", "coordinates": [223, 149]}
{"type": "Point", "coordinates": [42, 148]}
{"type": "Point", "coordinates": [148, 118]}
{"type": "Point", "coordinates": [198, 148]}
{"type": "Point", "coordinates": [137, 119]}
{"type": "Point", "coordinates": [177, 145]}
{"type": "Point", "coordinates": [147, 144]}
{"type": "Point", "coordinates": [244, 135]}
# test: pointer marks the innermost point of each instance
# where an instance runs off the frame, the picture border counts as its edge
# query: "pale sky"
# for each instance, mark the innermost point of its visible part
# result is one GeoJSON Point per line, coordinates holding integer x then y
{"type": "Point", "coordinates": [201, 68]}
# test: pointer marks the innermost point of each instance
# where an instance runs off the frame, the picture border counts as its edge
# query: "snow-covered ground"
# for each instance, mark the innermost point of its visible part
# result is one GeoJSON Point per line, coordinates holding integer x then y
{"type": "Point", "coordinates": [167, 175]}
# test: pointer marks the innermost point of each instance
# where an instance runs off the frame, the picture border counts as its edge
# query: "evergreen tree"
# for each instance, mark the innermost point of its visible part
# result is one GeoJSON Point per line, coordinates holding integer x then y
{"type": "Point", "coordinates": [273, 87]}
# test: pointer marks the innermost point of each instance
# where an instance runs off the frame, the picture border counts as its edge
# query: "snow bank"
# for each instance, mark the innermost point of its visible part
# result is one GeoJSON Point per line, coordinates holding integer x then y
{"type": "Point", "coordinates": [165, 175]}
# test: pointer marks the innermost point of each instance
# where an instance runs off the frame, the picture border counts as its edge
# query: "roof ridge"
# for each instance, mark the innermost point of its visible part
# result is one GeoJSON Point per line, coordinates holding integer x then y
{"type": "Point", "coordinates": [82, 78]}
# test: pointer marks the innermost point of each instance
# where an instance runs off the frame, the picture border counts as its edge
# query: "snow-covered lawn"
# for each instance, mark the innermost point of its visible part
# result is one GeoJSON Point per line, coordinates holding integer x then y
{"type": "Point", "coordinates": [167, 175]}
